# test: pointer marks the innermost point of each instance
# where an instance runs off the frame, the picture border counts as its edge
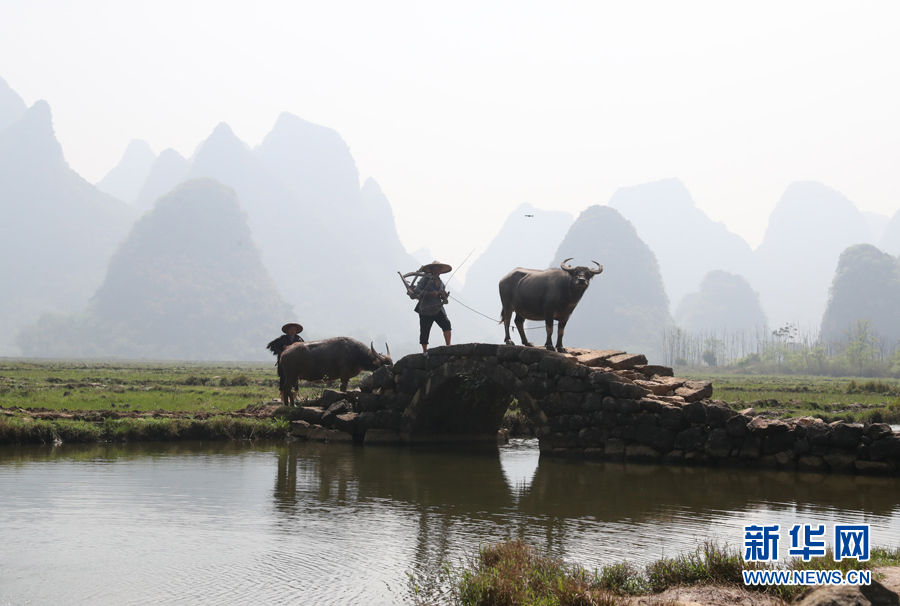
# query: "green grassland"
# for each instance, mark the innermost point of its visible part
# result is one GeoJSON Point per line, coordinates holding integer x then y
{"type": "Point", "coordinates": [830, 398]}
{"type": "Point", "coordinates": [140, 386]}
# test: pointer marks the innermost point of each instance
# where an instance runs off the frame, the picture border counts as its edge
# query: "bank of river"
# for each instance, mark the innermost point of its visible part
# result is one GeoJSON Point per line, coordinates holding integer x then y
{"type": "Point", "coordinates": [279, 522]}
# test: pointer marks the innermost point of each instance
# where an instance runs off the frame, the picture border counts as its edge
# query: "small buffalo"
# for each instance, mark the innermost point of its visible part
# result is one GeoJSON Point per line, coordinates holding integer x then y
{"type": "Point", "coordinates": [549, 294]}
{"type": "Point", "coordinates": [336, 358]}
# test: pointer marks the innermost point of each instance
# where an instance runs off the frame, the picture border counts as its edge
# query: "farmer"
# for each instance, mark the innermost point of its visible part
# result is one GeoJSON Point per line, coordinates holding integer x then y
{"type": "Point", "coordinates": [432, 298]}
{"type": "Point", "coordinates": [291, 335]}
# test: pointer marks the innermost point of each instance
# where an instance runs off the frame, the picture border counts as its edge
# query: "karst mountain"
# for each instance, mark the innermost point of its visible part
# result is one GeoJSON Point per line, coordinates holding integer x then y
{"type": "Point", "coordinates": [188, 283]}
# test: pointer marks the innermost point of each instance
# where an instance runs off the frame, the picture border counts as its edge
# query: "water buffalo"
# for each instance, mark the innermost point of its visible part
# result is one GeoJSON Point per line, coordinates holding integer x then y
{"type": "Point", "coordinates": [336, 358]}
{"type": "Point", "coordinates": [549, 294]}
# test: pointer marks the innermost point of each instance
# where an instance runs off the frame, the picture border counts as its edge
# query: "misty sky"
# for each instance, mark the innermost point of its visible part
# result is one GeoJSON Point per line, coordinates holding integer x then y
{"type": "Point", "coordinates": [464, 110]}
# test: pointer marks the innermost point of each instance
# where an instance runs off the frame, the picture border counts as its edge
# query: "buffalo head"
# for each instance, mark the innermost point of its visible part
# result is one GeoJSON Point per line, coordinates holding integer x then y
{"type": "Point", "coordinates": [381, 360]}
{"type": "Point", "coordinates": [582, 275]}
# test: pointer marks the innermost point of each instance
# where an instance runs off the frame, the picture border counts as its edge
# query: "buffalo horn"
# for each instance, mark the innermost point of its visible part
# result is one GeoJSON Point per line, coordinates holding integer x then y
{"type": "Point", "coordinates": [598, 270]}
{"type": "Point", "coordinates": [377, 355]}
{"type": "Point", "coordinates": [566, 267]}
{"type": "Point", "coordinates": [387, 349]}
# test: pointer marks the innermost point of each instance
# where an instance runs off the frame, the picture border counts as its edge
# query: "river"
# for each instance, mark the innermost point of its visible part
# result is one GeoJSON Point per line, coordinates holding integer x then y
{"type": "Point", "coordinates": [294, 522]}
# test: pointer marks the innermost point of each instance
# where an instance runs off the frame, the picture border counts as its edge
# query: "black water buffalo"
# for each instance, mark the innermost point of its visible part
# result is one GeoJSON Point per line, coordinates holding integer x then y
{"type": "Point", "coordinates": [549, 294]}
{"type": "Point", "coordinates": [336, 358]}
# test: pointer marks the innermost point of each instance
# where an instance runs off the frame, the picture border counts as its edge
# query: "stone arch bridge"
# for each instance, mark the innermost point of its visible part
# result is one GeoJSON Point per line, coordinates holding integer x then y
{"type": "Point", "coordinates": [609, 405]}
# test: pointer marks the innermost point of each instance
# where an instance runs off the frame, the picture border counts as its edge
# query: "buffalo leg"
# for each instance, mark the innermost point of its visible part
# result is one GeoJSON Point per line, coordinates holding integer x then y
{"type": "Point", "coordinates": [549, 322]}
{"type": "Point", "coordinates": [505, 317]}
{"type": "Point", "coordinates": [520, 325]}
{"type": "Point", "coordinates": [344, 383]}
{"type": "Point", "coordinates": [559, 336]}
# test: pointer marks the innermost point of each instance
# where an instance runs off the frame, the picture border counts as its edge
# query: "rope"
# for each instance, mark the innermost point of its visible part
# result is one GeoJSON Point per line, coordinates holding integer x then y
{"type": "Point", "coordinates": [493, 319]}
{"type": "Point", "coordinates": [474, 310]}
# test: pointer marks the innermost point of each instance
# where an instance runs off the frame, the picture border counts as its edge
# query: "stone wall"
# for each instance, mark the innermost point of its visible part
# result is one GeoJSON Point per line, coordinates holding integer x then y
{"type": "Point", "coordinates": [602, 405]}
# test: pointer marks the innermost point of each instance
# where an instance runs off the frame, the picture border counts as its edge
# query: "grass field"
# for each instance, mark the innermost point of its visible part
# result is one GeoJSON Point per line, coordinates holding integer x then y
{"type": "Point", "coordinates": [831, 398]}
{"type": "Point", "coordinates": [197, 387]}
{"type": "Point", "coordinates": [139, 386]}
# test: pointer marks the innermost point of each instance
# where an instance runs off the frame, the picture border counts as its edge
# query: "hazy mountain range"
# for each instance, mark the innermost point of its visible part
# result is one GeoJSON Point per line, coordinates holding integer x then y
{"type": "Point", "coordinates": [325, 251]}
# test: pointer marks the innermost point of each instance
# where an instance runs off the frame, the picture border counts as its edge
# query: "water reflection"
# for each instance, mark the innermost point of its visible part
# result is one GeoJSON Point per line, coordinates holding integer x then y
{"type": "Point", "coordinates": [230, 522]}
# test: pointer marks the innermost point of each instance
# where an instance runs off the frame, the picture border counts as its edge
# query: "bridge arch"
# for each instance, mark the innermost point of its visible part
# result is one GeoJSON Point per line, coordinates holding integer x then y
{"type": "Point", "coordinates": [465, 399]}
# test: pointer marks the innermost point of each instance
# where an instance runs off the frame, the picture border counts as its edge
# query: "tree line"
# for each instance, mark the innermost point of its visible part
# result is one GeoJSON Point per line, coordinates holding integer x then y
{"type": "Point", "coordinates": [858, 351]}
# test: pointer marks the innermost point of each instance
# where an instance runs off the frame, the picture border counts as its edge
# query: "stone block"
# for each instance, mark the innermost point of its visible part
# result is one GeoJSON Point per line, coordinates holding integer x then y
{"type": "Point", "coordinates": [538, 388]}
{"type": "Point", "coordinates": [751, 448]}
{"type": "Point", "coordinates": [657, 389]}
{"type": "Point", "coordinates": [591, 437]}
{"type": "Point", "coordinates": [310, 414]}
{"type": "Point", "coordinates": [764, 428]}
{"type": "Point", "coordinates": [614, 449]}
{"type": "Point", "coordinates": [718, 444]}
{"type": "Point", "coordinates": [553, 365]}
{"type": "Point", "coordinates": [693, 391]}
{"type": "Point", "coordinates": [517, 368]}
{"type": "Point", "coordinates": [533, 355]}
{"type": "Point", "coordinates": [433, 361]}
{"type": "Point", "coordinates": [695, 412]}
{"type": "Point", "coordinates": [567, 383]}
{"type": "Point", "coordinates": [622, 432]}
{"type": "Point", "coordinates": [671, 417]}
{"type": "Point", "coordinates": [561, 439]}
{"type": "Point", "coordinates": [736, 426]}
{"type": "Point", "coordinates": [593, 402]}
{"type": "Point", "coordinates": [597, 358]}
{"type": "Point", "coordinates": [369, 402]}
{"type": "Point", "coordinates": [651, 370]}
{"type": "Point", "coordinates": [485, 349]}
{"type": "Point", "coordinates": [627, 390]}
{"type": "Point", "coordinates": [338, 408]}
{"type": "Point", "coordinates": [885, 448]}
{"type": "Point", "coordinates": [457, 350]}
{"type": "Point", "coordinates": [640, 453]}
{"type": "Point", "coordinates": [658, 438]}
{"type": "Point", "coordinates": [579, 372]}
{"type": "Point", "coordinates": [691, 439]}
{"type": "Point", "coordinates": [779, 443]}
{"type": "Point", "coordinates": [650, 404]}
{"type": "Point", "coordinates": [646, 418]}
{"type": "Point", "coordinates": [718, 414]}
{"type": "Point", "coordinates": [876, 431]}
{"type": "Point", "coordinates": [345, 422]}
{"type": "Point", "coordinates": [299, 429]}
{"type": "Point", "coordinates": [551, 404]}
{"type": "Point", "coordinates": [818, 434]}
{"type": "Point", "coordinates": [846, 435]}
{"type": "Point", "coordinates": [572, 403]}
{"type": "Point", "coordinates": [628, 407]}
{"type": "Point", "coordinates": [625, 361]}
{"type": "Point", "coordinates": [329, 397]}
{"type": "Point", "coordinates": [505, 378]}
